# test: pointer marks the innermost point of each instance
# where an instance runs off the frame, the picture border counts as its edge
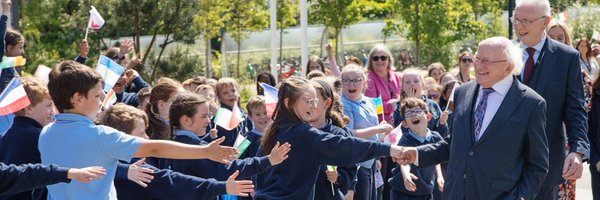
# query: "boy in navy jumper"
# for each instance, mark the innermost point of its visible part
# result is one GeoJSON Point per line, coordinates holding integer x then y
{"type": "Point", "coordinates": [257, 114]}
{"type": "Point", "coordinates": [409, 182]}
{"type": "Point", "coordinates": [19, 145]}
{"type": "Point", "coordinates": [74, 140]}
{"type": "Point", "coordinates": [164, 184]}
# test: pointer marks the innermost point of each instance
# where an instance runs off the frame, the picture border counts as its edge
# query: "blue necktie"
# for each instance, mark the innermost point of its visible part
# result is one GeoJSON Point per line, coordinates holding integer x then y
{"type": "Point", "coordinates": [480, 111]}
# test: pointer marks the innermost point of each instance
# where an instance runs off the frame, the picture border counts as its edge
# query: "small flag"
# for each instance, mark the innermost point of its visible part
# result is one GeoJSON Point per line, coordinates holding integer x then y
{"type": "Point", "coordinates": [228, 119]}
{"type": "Point", "coordinates": [596, 36]}
{"type": "Point", "coordinates": [331, 168]}
{"type": "Point", "coordinates": [394, 136]}
{"type": "Point", "coordinates": [241, 144]}
{"type": "Point", "coordinates": [451, 98]}
{"type": "Point", "coordinates": [96, 21]}
{"type": "Point", "coordinates": [378, 179]}
{"type": "Point", "coordinates": [110, 71]}
{"type": "Point", "coordinates": [8, 62]}
{"type": "Point", "coordinates": [13, 98]}
{"type": "Point", "coordinates": [378, 104]}
{"type": "Point", "coordinates": [563, 16]}
{"type": "Point", "coordinates": [271, 98]}
{"type": "Point", "coordinates": [41, 73]}
{"type": "Point", "coordinates": [109, 100]}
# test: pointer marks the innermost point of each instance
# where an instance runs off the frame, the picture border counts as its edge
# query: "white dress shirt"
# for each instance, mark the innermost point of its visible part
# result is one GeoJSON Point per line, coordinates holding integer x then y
{"type": "Point", "coordinates": [493, 102]}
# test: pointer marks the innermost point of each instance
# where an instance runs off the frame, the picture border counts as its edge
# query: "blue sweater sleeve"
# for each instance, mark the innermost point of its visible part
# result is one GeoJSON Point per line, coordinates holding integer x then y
{"type": "Point", "coordinates": [209, 169]}
{"type": "Point", "coordinates": [80, 59]}
{"type": "Point", "coordinates": [138, 84]}
{"type": "Point", "coordinates": [14, 179]}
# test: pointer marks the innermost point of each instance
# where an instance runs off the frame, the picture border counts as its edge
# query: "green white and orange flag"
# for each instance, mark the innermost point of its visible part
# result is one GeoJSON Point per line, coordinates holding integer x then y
{"type": "Point", "coordinates": [229, 119]}
{"type": "Point", "coordinates": [8, 62]}
{"type": "Point", "coordinates": [241, 143]}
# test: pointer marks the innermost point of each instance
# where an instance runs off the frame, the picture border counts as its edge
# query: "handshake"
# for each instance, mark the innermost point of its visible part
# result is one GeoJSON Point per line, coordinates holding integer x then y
{"type": "Point", "coordinates": [403, 155]}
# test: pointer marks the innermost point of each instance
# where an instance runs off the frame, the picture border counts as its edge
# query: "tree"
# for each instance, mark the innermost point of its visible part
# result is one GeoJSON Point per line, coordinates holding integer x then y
{"type": "Point", "coordinates": [246, 16]}
{"type": "Point", "coordinates": [335, 15]}
{"type": "Point", "coordinates": [210, 20]}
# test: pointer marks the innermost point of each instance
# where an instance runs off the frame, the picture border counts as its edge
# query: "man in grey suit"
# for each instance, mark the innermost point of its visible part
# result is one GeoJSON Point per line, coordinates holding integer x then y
{"type": "Point", "coordinates": [553, 71]}
{"type": "Point", "coordinates": [497, 148]}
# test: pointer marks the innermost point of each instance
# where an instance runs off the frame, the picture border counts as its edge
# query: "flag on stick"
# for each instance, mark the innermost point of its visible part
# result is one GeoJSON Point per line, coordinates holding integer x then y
{"type": "Point", "coordinates": [13, 98]}
{"type": "Point", "coordinates": [109, 100]}
{"type": "Point", "coordinates": [270, 97]}
{"type": "Point", "coordinates": [110, 71]}
{"type": "Point", "coordinates": [96, 21]}
{"type": "Point", "coordinates": [394, 136]}
{"type": "Point", "coordinates": [228, 119]}
{"type": "Point", "coordinates": [241, 144]}
{"type": "Point", "coordinates": [332, 168]}
{"type": "Point", "coordinates": [451, 99]}
{"type": "Point", "coordinates": [8, 62]}
{"type": "Point", "coordinates": [378, 101]}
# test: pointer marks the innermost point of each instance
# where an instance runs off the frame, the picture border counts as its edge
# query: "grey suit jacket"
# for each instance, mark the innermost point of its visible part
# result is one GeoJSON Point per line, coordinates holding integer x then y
{"type": "Point", "coordinates": [557, 78]}
{"type": "Point", "coordinates": [511, 158]}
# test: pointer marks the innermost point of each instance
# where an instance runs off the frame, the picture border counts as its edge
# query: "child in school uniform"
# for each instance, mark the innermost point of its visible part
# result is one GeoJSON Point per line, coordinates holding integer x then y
{"type": "Point", "coordinates": [331, 120]}
{"type": "Point", "coordinates": [295, 178]}
{"type": "Point", "coordinates": [363, 123]}
{"type": "Point", "coordinates": [409, 181]}
{"type": "Point", "coordinates": [189, 115]}
{"type": "Point", "coordinates": [164, 183]}
{"type": "Point", "coordinates": [257, 114]}
{"type": "Point", "coordinates": [75, 141]}
{"type": "Point", "coordinates": [157, 109]}
{"type": "Point", "coordinates": [228, 95]}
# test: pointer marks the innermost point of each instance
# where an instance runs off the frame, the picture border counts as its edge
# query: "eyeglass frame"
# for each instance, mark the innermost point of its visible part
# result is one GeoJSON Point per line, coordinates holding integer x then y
{"type": "Point", "coordinates": [312, 102]}
{"type": "Point", "coordinates": [351, 81]}
{"type": "Point", "coordinates": [524, 22]}
{"type": "Point", "coordinates": [467, 60]}
{"type": "Point", "coordinates": [486, 61]}
{"type": "Point", "coordinates": [412, 113]}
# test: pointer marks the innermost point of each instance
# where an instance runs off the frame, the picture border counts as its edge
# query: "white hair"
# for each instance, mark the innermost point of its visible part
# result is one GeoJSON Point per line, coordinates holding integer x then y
{"type": "Point", "coordinates": [514, 54]}
{"type": "Point", "coordinates": [543, 5]}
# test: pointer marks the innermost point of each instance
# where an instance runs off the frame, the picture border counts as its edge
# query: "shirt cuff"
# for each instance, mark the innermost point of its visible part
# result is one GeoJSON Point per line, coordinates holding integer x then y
{"type": "Point", "coordinates": [417, 159]}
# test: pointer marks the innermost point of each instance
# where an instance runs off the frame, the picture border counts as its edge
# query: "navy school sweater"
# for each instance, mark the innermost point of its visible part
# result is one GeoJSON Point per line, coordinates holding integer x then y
{"type": "Point", "coordinates": [346, 174]}
{"type": "Point", "coordinates": [19, 145]}
{"type": "Point", "coordinates": [166, 184]}
{"type": "Point", "coordinates": [14, 179]}
{"type": "Point", "coordinates": [426, 181]}
{"type": "Point", "coordinates": [205, 168]}
{"type": "Point", "coordinates": [295, 177]}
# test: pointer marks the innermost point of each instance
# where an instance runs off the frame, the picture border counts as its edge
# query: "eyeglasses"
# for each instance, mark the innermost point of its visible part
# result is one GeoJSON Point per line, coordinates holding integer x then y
{"type": "Point", "coordinates": [486, 61]}
{"type": "Point", "coordinates": [411, 113]}
{"type": "Point", "coordinates": [466, 60]}
{"type": "Point", "coordinates": [351, 81]}
{"type": "Point", "coordinates": [524, 22]}
{"type": "Point", "coordinates": [376, 58]}
{"type": "Point", "coordinates": [312, 102]}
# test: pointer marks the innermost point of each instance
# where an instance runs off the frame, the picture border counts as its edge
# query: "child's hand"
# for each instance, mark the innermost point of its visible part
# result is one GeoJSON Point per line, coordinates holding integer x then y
{"type": "Point", "coordinates": [134, 62]}
{"type": "Point", "coordinates": [329, 47]}
{"type": "Point", "coordinates": [126, 47]}
{"type": "Point", "coordinates": [332, 175]}
{"type": "Point", "coordinates": [349, 195]}
{"type": "Point", "coordinates": [444, 118]}
{"type": "Point", "coordinates": [440, 182]}
{"type": "Point", "coordinates": [279, 153]}
{"type": "Point", "coordinates": [385, 128]}
{"type": "Point", "coordinates": [239, 188]}
{"type": "Point", "coordinates": [84, 48]}
{"type": "Point", "coordinates": [409, 184]}
{"type": "Point", "coordinates": [222, 154]}
{"type": "Point", "coordinates": [86, 175]}
{"type": "Point", "coordinates": [213, 133]}
{"type": "Point", "coordinates": [140, 175]}
{"type": "Point", "coordinates": [131, 74]}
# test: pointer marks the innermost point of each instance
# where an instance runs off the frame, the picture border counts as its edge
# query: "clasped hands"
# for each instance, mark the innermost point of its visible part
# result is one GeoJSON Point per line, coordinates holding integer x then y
{"type": "Point", "coordinates": [403, 155]}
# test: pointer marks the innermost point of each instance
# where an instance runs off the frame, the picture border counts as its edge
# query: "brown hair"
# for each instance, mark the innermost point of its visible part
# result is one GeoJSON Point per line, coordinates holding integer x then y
{"type": "Point", "coordinates": [13, 37]}
{"type": "Point", "coordinates": [588, 44]}
{"type": "Point", "coordinates": [356, 60]}
{"type": "Point", "coordinates": [35, 90]}
{"type": "Point", "coordinates": [290, 89]}
{"type": "Point", "coordinates": [70, 77]}
{"type": "Point", "coordinates": [568, 35]}
{"type": "Point", "coordinates": [144, 94]}
{"type": "Point", "coordinates": [161, 92]}
{"type": "Point", "coordinates": [334, 111]}
{"type": "Point", "coordinates": [437, 65]}
{"type": "Point", "coordinates": [223, 83]}
{"type": "Point", "coordinates": [122, 117]}
{"type": "Point", "coordinates": [254, 103]}
{"type": "Point", "coordinates": [315, 74]}
{"type": "Point", "coordinates": [184, 104]}
{"type": "Point", "coordinates": [413, 102]}
{"type": "Point", "coordinates": [315, 59]}
{"type": "Point", "coordinates": [198, 80]}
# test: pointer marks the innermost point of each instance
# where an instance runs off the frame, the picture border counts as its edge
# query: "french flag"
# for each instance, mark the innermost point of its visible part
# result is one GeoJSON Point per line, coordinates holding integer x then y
{"type": "Point", "coordinates": [13, 98]}
{"type": "Point", "coordinates": [271, 98]}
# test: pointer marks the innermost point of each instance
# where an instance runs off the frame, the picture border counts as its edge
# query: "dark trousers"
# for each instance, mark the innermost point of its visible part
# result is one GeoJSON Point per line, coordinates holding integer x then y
{"type": "Point", "coordinates": [595, 181]}
{"type": "Point", "coordinates": [365, 187]}
{"type": "Point", "coordinates": [548, 193]}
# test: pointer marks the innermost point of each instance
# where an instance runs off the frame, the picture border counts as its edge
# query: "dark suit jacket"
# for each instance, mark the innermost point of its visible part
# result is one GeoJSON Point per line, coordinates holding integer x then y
{"type": "Point", "coordinates": [509, 161]}
{"type": "Point", "coordinates": [558, 80]}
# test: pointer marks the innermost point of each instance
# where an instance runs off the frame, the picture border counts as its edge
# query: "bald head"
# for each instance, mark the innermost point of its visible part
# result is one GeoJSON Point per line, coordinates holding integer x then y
{"type": "Point", "coordinates": [497, 57]}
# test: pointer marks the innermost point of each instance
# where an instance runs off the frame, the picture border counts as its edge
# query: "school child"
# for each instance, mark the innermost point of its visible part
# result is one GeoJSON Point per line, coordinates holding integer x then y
{"type": "Point", "coordinates": [75, 141]}
{"type": "Point", "coordinates": [189, 116]}
{"type": "Point", "coordinates": [264, 77]}
{"type": "Point", "coordinates": [329, 119]}
{"type": "Point", "coordinates": [295, 178]}
{"type": "Point", "coordinates": [161, 97]}
{"type": "Point", "coordinates": [143, 98]}
{"type": "Point", "coordinates": [364, 124]}
{"type": "Point", "coordinates": [164, 183]}
{"type": "Point", "coordinates": [409, 181]}
{"type": "Point", "coordinates": [228, 95]}
{"type": "Point", "coordinates": [19, 145]}
{"type": "Point", "coordinates": [257, 114]}
{"type": "Point", "coordinates": [15, 179]}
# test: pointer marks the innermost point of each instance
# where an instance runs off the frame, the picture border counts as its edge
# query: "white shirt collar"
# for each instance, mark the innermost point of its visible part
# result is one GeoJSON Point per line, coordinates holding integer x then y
{"type": "Point", "coordinates": [538, 46]}
{"type": "Point", "coordinates": [502, 86]}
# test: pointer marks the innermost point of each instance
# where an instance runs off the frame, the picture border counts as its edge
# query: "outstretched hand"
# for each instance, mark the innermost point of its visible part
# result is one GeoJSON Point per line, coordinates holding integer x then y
{"type": "Point", "coordinates": [140, 175]}
{"type": "Point", "coordinates": [279, 153]}
{"type": "Point", "coordinates": [86, 175]}
{"type": "Point", "coordinates": [409, 184]}
{"type": "Point", "coordinates": [222, 154]}
{"type": "Point", "coordinates": [403, 155]}
{"type": "Point", "coordinates": [239, 188]}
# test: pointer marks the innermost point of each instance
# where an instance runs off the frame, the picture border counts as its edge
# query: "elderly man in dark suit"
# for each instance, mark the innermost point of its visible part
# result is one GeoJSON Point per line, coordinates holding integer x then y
{"type": "Point", "coordinates": [497, 148]}
{"type": "Point", "coordinates": [553, 71]}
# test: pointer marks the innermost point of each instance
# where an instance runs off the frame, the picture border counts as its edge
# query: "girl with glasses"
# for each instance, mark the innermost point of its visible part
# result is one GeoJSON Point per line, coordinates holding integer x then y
{"type": "Point", "coordinates": [383, 80]}
{"type": "Point", "coordinates": [466, 63]}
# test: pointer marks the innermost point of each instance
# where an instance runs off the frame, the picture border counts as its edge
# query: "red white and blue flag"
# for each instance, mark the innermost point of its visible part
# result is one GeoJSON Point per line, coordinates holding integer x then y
{"type": "Point", "coordinates": [270, 97]}
{"type": "Point", "coordinates": [13, 98]}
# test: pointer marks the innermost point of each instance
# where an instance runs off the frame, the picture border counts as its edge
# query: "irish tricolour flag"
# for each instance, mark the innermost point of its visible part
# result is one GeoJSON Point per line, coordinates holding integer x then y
{"type": "Point", "coordinates": [8, 62]}
{"type": "Point", "coordinates": [110, 71]}
{"type": "Point", "coordinates": [13, 98]}
{"type": "Point", "coordinates": [270, 97]}
{"type": "Point", "coordinates": [228, 119]}
{"type": "Point", "coordinates": [241, 144]}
